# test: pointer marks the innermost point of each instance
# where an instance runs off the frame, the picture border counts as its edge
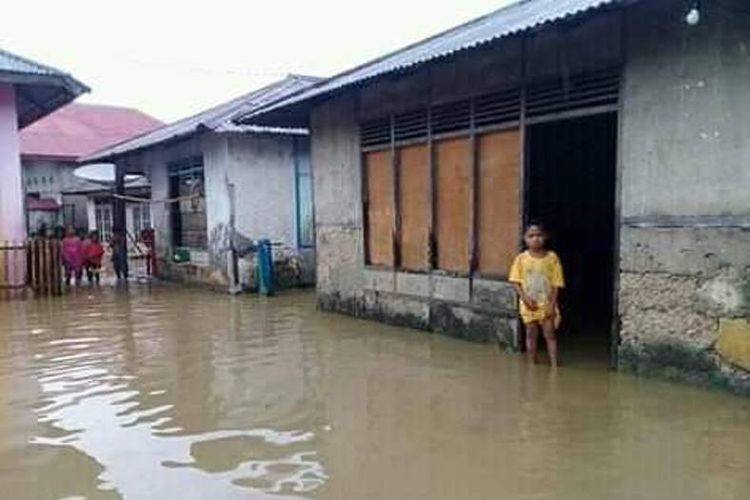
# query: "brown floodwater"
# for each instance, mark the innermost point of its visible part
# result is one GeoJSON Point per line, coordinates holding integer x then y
{"type": "Point", "coordinates": [164, 392]}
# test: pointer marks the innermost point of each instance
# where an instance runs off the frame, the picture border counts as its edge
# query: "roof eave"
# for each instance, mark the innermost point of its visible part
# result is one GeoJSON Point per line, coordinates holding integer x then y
{"type": "Point", "coordinates": [111, 157]}
{"type": "Point", "coordinates": [294, 105]}
{"type": "Point", "coordinates": [67, 90]}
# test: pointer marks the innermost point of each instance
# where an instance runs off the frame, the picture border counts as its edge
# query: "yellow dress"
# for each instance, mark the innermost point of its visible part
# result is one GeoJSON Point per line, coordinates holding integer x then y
{"type": "Point", "coordinates": [537, 277]}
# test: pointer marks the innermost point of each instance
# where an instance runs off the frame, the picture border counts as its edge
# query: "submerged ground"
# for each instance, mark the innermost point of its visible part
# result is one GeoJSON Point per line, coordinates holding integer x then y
{"type": "Point", "coordinates": [162, 392]}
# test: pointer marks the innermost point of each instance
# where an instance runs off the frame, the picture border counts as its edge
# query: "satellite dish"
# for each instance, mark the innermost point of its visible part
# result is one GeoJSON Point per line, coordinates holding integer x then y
{"type": "Point", "coordinates": [103, 173]}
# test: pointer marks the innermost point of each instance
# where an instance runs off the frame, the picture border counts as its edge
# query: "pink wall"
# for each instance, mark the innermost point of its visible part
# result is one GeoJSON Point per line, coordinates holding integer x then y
{"type": "Point", "coordinates": [12, 223]}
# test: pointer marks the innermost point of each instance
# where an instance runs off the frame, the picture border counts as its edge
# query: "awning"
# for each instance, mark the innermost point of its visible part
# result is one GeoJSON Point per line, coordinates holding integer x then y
{"type": "Point", "coordinates": [42, 204]}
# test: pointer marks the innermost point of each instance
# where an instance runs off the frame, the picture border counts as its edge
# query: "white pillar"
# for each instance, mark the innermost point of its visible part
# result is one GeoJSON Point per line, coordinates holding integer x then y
{"type": "Point", "coordinates": [12, 226]}
{"type": "Point", "coordinates": [91, 213]}
{"type": "Point", "coordinates": [129, 222]}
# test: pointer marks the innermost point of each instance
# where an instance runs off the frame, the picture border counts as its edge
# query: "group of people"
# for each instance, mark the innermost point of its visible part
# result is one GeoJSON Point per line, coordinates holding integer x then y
{"type": "Point", "coordinates": [83, 252]}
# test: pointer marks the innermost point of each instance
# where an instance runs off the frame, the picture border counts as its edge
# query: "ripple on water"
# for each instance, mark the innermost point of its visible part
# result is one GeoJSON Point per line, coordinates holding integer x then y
{"type": "Point", "coordinates": [171, 393]}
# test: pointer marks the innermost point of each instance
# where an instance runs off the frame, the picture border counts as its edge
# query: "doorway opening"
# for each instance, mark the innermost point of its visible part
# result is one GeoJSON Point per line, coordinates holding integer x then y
{"type": "Point", "coordinates": [571, 178]}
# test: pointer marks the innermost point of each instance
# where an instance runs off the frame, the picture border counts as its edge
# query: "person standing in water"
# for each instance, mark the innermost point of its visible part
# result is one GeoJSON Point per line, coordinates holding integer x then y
{"type": "Point", "coordinates": [537, 276]}
{"type": "Point", "coordinates": [93, 251]}
{"type": "Point", "coordinates": [119, 255]}
{"type": "Point", "coordinates": [72, 256]}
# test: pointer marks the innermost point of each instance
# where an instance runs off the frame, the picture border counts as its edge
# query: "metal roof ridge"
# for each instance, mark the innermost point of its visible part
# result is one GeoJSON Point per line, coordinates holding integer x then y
{"type": "Point", "coordinates": [451, 36]}
{"type": "Point", "coordinates": [204, 119]}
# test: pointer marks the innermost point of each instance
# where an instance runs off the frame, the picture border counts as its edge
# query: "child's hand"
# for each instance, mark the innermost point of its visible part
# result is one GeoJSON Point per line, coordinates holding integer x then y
{"type": "Point", "coordinates": [550, 311]}
{"type": "Point", "coordinates": [530, 303]}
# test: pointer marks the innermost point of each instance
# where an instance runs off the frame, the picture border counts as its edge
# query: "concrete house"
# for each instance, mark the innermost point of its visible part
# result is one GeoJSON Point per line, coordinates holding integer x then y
{"type": "Point", "coordinates": [217, 187]}
{"type": "Point", "coordinates": [621, 123]}
{"type": "Point", "coordinates": [28, 92]}
{"type": "Point", "coordinates": [50, 149]}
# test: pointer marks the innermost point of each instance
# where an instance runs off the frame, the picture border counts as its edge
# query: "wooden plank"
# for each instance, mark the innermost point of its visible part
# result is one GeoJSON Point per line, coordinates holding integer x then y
{"type": "Point", "coordinates": [3, 264]}
{"type": "Point", "coordinates": [380, 206]}
{"type": "Point", "coordinates": [499, 201]}
{"type": "Point", "coordinates": [5, 257]}
{"type": "Point", "coordinates": [57, 266]}
{"type": "Point", "coordinates": [415, 196]}
{"type": "Point", "coordinates": [454, 210]}
{"type": "Point", "coordinates": [47, 268]}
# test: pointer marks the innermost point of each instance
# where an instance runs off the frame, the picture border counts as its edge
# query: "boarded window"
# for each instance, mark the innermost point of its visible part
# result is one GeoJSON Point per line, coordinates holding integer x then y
{"type": "Point", "coordinates": [454, 209]}
{"type": "Point", "coordinates": [380, 209]}
{"type": "Point", "coordinates": [498, 201]}
{"type": "Point", "coordinates": [415, 202]}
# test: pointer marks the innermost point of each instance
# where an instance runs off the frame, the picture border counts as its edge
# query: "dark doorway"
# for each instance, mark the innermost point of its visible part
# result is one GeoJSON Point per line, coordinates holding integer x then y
{"type": "Point", "coordinates": [571, 188]}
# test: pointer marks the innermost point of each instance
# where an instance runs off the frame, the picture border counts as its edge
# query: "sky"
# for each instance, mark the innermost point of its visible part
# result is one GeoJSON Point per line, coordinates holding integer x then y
{"type": "Point", "coordinates": [172, 58]}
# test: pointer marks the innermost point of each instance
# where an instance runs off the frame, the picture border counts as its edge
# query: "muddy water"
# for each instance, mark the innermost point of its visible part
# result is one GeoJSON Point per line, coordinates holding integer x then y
{"type": "Point", "coordinates": [168, 393]}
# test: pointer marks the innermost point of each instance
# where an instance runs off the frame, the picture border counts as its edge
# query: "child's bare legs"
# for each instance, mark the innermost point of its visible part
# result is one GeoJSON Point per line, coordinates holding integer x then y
{"type": "Point", "coordinates": [532, 336]}
{"type": "Point", "coordinates": [550, 337]}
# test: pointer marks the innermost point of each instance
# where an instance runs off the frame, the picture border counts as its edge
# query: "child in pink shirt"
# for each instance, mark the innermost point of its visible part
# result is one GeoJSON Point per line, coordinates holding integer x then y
{"type": "Point", "coordinates": [72, 256]}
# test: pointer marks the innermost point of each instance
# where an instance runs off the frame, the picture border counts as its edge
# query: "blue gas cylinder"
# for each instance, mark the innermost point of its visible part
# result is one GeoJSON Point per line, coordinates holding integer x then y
{"type": "Point", "coordinates": [265, 267]}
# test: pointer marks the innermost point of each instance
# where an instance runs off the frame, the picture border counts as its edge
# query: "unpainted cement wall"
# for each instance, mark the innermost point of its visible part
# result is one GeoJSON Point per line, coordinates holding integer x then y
{"type": "Point", "coordinates": [473, 309]}
{"type": "Point", "coordinates": [685, 177]}
{"type": "Point", "coordinates": [262, 172]}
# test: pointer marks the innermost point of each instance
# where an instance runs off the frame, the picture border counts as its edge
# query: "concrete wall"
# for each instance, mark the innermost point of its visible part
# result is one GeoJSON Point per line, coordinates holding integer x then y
{"type": "Point", "coordinates": [474, 309]}
{"type": "Point", "coordinates": [154, 162]}
{"type": "Point", "coordinates": [261, 171]}
{"type": "Point", "coordinates": [685, 240]}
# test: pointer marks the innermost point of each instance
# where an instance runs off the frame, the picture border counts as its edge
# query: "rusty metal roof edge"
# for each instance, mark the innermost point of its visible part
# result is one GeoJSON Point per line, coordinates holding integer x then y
{"type": "Point", "coordinates": [327, 87]}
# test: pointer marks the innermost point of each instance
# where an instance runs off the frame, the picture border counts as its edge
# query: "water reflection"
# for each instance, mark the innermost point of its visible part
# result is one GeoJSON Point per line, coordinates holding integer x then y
{"type": "Point", "coordinates": [183, 394]}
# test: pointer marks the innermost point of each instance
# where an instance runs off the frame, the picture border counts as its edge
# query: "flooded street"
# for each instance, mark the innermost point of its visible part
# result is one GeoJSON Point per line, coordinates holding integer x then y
{"type": "Point", "coordinates": [170, 393]}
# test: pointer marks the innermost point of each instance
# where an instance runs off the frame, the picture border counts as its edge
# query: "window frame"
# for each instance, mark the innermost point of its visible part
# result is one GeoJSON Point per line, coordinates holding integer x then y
{"type": "Point", "coordinates": [303, 175]}
{"type": "Point", "coordinates": [188, 168]}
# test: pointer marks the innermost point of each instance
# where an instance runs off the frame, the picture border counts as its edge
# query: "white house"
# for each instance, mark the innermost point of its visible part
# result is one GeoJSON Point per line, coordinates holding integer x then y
{"type": "Point", "coordinates": [217, 187]}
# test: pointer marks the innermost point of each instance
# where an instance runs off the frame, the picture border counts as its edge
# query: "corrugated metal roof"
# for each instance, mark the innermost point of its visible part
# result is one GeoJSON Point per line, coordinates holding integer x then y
{"type": "Point", "coordinates": [40, 89]}
{"type": "Point", "coordinates": [513, 19]}
{"type": "Point", "coordinates": [13, 63]}
{"type": "Point", "coordinates": [218, 119]}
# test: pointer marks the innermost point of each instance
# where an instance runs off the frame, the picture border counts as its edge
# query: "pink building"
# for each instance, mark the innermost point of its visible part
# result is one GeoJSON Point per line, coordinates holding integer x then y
{"type": "Point", "coordinates": [28, 91]}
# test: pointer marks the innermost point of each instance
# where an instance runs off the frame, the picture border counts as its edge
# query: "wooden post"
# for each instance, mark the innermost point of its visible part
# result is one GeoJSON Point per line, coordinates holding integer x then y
{"type": "Point", "coordinates": [119, 226]}
{"type": "Point", "coordinates": [48, 271]}
{"type": "Point", "coordinates": [30, 263]}
{"type": "Point", "coordinates": [4, 255]}
{"type": "Point", "coordinates": [57, 263]}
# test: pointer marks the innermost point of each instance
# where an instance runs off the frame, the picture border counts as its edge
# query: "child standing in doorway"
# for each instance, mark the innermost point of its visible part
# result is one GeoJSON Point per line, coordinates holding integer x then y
{"type": "Point", "coordinates": [537, 276]}
{"type": "Point", "coordinates": [72, 256]}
